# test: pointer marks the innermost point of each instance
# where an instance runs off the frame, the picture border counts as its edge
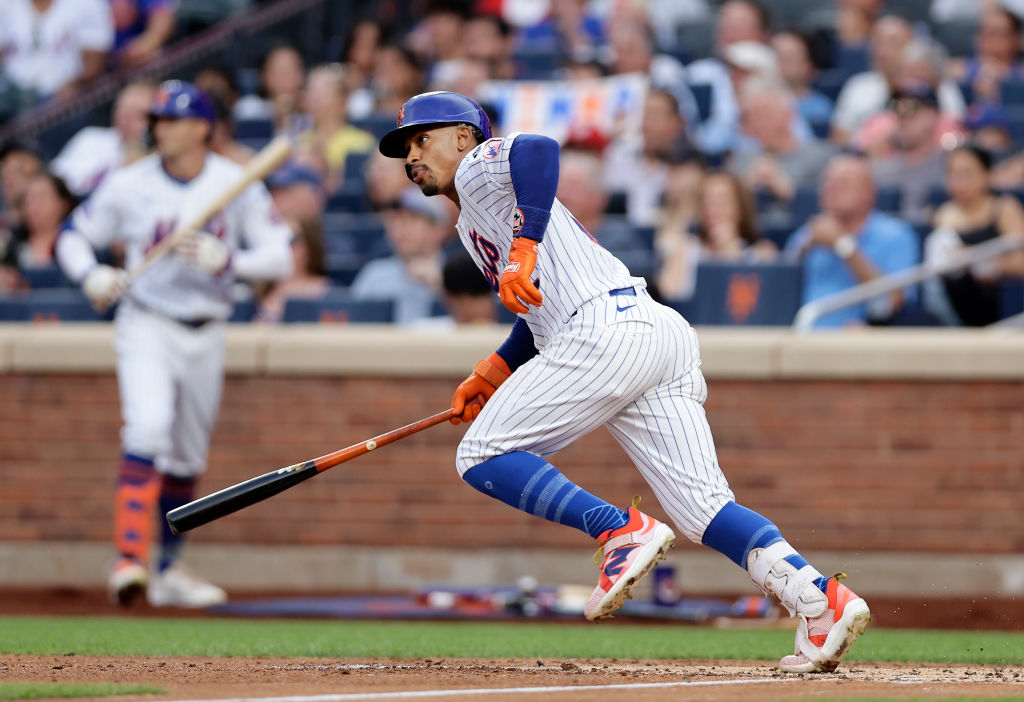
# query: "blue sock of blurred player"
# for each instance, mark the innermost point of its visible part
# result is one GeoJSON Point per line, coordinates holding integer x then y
{"type": "Point", "coordinates": [531, 484]}
{"type": "Point", "coordinates": [174, 492]}
{"type": "Point", "coordinates": [736, 531]}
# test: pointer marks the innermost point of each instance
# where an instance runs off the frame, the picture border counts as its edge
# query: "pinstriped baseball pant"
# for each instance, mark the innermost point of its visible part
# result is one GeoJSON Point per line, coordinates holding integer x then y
{"type": "Point", "coordinates": [633, 365]}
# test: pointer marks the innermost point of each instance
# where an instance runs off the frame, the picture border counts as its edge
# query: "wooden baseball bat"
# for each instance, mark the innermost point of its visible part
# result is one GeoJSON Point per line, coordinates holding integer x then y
{"type": "Point", "coordinates": [231, 499]}
{"type": "Point", "coordinates": [269, 157]}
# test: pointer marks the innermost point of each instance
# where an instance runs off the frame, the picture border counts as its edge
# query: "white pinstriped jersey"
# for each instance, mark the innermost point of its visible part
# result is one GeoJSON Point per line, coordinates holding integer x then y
{"type": "Point", "coordinates": [141, 203]}
{"type": "Point", "coordinates": [572, 267]}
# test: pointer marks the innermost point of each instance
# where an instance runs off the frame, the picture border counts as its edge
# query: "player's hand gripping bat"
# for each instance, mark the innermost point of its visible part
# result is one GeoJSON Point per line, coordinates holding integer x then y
{"type": "Point", "coordinates": [270, 157]}
{"type": "Point", "coordinates": [231, 499]}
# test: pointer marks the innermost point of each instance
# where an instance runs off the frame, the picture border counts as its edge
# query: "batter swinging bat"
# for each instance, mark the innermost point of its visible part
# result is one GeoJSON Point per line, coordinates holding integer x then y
{"type": "Point", "coordinates": [231, 499]}
{"type": "Point", "coordinates": [270, 157]}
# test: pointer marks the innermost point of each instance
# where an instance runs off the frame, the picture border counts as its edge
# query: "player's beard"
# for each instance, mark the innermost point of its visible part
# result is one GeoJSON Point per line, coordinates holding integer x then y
{"type": "Point", "coordinates": [430, 188]}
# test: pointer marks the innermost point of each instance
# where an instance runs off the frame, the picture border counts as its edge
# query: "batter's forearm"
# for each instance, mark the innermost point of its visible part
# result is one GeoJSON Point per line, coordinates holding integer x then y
{"type": "Point", "coordinates": [75, 255]}
{"type": "Point", "coordinates": [262, 263]}
{"type": "Point", "coordinates": [519, 347]}
{"type": "Point", "coordinates": [533, 165]}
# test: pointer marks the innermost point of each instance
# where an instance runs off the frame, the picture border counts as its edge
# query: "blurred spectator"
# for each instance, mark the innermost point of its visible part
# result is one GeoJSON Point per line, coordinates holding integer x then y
{"type": "Point", "coordinates": [141, 28]}
{"type": "Point", "coordinates": [298, 193]}
{"type": "Point", "coordinates": [218, 82]}
{"type": "Point", "coordinates": [632, 47]}
{"type": "Point", "coordinates": [468, 296]}
{"type": "Point", "coordinates": [282, 73]}
{"type": "Point", "coordinates": [415, 227]}
{"type": "Point", "coordinates": [780, 163]}
{"type": "Point", "coordinates": [19, 164]}
{"type": "Point", "coordinates": [867, 93]}
{"type": "Point", "coordinates": [489, 38]}
{"type": "Point", "coordinates": [726, 230]}
{"type": "Point", "coordinates": [973, 214]}
{"type": "Point", "coordinates": [638, 166]}
{"type": "Point", "coordinates": [53, 49]}
{"type": "Point", "coordinates": [222, 136]}
{"type": "Point", "coordinates": [585, 196]}
{"type": "Point", "coordinates": [307, 280]}
{"type": "Point", "coordinates": [851, 243]}
{"type": "Point", "coordinates": [670, 16]}
{"type": "Point", "coordinates": [680, 206]}
{"type": "Point", "coordinates": [397, 76]}
{"type": "Point", "coordinates": [324, 100]}
{"type": "Point", "coordinates": [48, 202]}
{"type": "Point", "coordinates": [799, 67]}
{"type": "Point", "coordinates": [855, 20]}
{"type": "Point", "coordinates": [989, 127]}
{"type": "Point", "coordinates": [358, 58]}
{"type": "Point", "coordinates": [386, 179]}
{"type": "Point", "coordinates": [569, 30]}
{"type": "Point", "coordinates": [997, 55]}
{"type": "Point", "coordinates": [465, 76]}
{"type": "Point", "coordinates": [94, 152]}
{"type": "Point", "coordinates": [738, 21]}
{"type": "Point", "coordinates": [916, 165]}
{"type": "Point", "coordinates": [439, 36]}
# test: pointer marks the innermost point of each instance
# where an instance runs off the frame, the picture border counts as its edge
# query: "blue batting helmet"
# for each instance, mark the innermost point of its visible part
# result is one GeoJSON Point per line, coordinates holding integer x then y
{"type": "Point", "coordinates": [176, 99]}
{"type": "Point", "coordinates": [434, 108]}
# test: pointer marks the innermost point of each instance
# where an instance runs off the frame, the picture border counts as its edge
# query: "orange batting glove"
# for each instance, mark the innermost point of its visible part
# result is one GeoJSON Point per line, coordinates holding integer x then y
{"type": "Point", "coordinates": [515, 286]}
{"type": "Point", "coordinates": [477, 389]}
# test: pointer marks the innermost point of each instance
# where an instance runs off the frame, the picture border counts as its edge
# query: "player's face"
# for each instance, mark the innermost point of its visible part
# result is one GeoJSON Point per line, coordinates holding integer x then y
{"type": "Point", "coordinates": [175, 137]}
{"type": "Point", "coordinates": [434, 156]}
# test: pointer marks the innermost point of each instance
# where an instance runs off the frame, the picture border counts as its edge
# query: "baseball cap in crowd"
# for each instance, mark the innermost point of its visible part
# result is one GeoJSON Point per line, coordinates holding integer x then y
{"type": "Point", "coordinates": [985, 115]}
{"type": "Point", "coordinates": [413, 200]}
{"type": "Point", "coordinates": [752, 56]}
{"type": "Point", "coordinates": [292, 174]}
{"type": "Point", "coordinates": [913, 97]}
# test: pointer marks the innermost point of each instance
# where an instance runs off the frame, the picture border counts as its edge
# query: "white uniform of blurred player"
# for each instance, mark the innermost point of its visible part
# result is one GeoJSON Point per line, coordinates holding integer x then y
{"type": "Point", "coordinates": [170, 324]}
{"type": "Point", "coordinates": [591, 348]}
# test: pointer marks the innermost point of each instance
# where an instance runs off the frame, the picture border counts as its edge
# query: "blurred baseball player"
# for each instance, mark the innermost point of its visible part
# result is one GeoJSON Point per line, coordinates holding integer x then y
{"type": "Point", "coordinates": [591, 348]}
{"type": "Point", "coordinates": [170, 324]}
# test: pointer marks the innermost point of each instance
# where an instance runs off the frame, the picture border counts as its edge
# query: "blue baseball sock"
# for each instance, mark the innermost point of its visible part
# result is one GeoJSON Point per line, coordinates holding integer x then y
{"type": "Point", "coordinates": [736, 531]}
{"type": "Point", "coordinates": [174, 492]}
{"type": "Point", "coordinates": [531, 484]}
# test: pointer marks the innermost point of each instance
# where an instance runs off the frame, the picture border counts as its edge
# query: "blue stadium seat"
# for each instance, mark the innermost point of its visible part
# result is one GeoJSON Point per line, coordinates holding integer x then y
{"type": "Point", "coordinates": [46, 277]}
{"type": "Point", "coordinates": [702, 96]}
{"type": "Point", "coordinates": [747, 294]}
{"type": "Point", "coordinates": [537, 64]}
{"type": "Point", "coordinates": [851, 60]}
{"type": "Point", "coordinates": [1011, 297]}
{"type": "Point", "coordinates": [888, 200]}
{"type": "Point", "coordinates": [820, 128]}
{"type": "Point", "coordinates": [377, 124]}
{"type": "Point", "coordinates": [1012, 92]}
{"type": "Point", "coordinates": [53, 305]}
{"type": "Point", "coordinates": [777, 229]}
{"type": "Point", "coordinates": [243, 311]}
{"type": "Point", "coordinates": [354, 166]}
{"type": "Point", "coordinates": [254, 129]}
{"type": "Point", "coordinates": [362, 234]}
{"type": "Point", "coordinates": [342, 268]}
{"type": "Point", "coordinates": [338, 306]}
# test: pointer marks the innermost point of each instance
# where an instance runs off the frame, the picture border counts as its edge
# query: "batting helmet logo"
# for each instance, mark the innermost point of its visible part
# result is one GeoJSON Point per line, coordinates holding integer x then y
{"type": "Point", "coordinates": [401, 115]}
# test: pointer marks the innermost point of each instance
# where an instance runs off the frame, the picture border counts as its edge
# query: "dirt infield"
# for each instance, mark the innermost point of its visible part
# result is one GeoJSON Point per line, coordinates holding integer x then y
{"type": "Point", "coordinates": [510, 679]}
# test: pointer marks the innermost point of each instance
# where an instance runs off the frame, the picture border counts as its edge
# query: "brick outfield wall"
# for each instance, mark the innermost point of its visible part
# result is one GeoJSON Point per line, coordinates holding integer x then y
{"type": "Point", "coordinates": [844, 466]}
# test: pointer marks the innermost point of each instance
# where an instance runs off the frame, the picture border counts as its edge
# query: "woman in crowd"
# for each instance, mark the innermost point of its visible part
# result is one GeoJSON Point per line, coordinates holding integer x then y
{"type": "Point", "coordinates": [48, 201]}
{"type": "Point", "coordinates": [974, 214]}
{"type": "Point", "coordinates": [725, 229]}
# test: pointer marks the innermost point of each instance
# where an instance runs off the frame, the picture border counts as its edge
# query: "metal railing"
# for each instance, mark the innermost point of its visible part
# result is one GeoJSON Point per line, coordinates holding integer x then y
{"type": "Point", "coordinates": [811, 312]}
{"type": "Point", "coordinates": [185, 52]}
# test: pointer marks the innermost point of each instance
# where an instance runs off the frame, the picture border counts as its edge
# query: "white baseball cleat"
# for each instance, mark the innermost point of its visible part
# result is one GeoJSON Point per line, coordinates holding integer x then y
{"type": "Point", "coordinates": [178, 586]}
{"type": "Point", "coordinates": [127, 582]}
{"type": "Point", "coordinates": [822, 641]}
{"type": "Point", "coordinates": [626, 554]}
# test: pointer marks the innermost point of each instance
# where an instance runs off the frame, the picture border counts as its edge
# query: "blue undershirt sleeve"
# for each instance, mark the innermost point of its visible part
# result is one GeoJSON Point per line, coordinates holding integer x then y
{"type": "Point", "coordinates": [533, 165]}
{"type": "Point", "coordinates": [518, 348]}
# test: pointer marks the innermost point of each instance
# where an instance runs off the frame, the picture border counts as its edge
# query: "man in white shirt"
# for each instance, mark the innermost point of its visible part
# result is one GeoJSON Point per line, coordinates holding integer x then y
{"type": "Point", "coordinates": [94, 152]}
{"type": "Point", "coordinates": [53, 47]}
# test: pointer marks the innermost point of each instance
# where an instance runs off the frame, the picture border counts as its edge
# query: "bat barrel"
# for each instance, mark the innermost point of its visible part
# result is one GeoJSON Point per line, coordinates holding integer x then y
{"type": "Point", "coordinates": [236, 497]}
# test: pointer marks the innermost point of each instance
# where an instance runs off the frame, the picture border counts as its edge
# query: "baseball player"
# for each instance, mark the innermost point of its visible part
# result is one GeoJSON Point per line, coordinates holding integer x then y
{"type": "Point", "coordinates": [170, 324]}
{"type": "Point", "coordinates": [591, 348]}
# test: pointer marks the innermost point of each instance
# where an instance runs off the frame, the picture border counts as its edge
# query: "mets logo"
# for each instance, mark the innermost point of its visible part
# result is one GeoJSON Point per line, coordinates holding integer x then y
{"type": "Point", "coordinates": [491, 148]}
{"type": "Point", "coordinates": [518, 220]}
{"type": "Point", "coordinates": [742, 296]}
{"type": "Point", "coordinates": [401, 115]}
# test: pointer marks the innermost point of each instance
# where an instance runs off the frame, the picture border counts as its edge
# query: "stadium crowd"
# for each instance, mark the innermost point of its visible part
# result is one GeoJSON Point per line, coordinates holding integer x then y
{"type": "Point", "coordinates": [845, 142]}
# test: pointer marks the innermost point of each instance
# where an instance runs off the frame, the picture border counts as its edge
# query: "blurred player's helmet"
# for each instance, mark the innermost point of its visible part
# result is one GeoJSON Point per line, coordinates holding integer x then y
{"type": "Point", "coordinates": [434, 108]}
{"type": "Point", "coordinates": [176, 99]}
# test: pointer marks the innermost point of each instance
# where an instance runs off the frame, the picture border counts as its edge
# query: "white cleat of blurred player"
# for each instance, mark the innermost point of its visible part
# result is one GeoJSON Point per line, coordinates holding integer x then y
{"type": "Point", "coordinates": [127, 582]}
{"type": "Point", "coordinates": [178, 586]}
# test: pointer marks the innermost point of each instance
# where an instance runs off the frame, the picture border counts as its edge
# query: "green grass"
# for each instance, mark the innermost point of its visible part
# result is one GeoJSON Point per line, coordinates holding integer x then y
{"type": "Point", "coordinates": [319, 638]}
{"type": "Point", "coordinates": [43, 691]}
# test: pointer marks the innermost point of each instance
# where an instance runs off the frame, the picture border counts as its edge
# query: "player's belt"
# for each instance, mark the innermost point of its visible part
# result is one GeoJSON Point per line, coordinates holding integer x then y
{"type": "Point", "coordinates": [198, 323]}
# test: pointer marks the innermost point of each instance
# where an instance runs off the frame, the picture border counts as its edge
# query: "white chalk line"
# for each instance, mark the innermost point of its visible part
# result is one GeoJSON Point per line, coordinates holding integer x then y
{"type": "Point", "coordinates": [421, 694]}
